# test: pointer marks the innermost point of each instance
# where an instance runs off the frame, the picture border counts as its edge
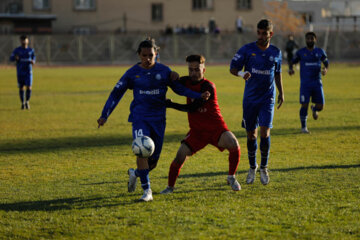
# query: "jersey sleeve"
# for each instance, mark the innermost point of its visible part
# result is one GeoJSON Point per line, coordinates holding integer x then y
{"type": "Point", "coordinates": [324, 58]}
{"type": "Point", "coordinates": [32, 55]}
{"type": "Point", "coordinates": [180, 89]}
{"type": "Point", "coordinates": [238, 61]}
{"type": "Point", "coordinates": [115, 96]}
{"type": "Point", "coordinates": [13, 54]}
{"type": "Point", "coordinates": [278, 61]}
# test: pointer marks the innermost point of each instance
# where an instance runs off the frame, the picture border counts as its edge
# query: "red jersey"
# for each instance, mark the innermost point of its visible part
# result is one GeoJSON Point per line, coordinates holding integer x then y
{"type": "Point", "coordinates": [208, 116]}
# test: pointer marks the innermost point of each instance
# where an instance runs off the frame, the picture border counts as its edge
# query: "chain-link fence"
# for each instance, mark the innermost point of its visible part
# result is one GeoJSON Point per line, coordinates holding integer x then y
{"type": "Point", "coordinates": [121, 48]}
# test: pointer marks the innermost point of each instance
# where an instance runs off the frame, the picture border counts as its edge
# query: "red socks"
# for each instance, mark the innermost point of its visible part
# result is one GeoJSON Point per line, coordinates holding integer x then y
{"type": "Point", "coordinates": [173, 173]}
{"type": "Point", "coordinates": [234, 159]}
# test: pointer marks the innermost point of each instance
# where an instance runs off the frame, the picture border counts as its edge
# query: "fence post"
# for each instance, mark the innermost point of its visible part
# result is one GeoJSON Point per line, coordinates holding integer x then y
{"type": "Point", "coordinates": [176, 47]}
{"type": "Point", "coordinates": [80, 49]}
{"type": "Point", "coordinates": [112, 48]}
{"type": "Point", "coordinates": [48, 49]}
{"type": "Point", "coordinates": [208, 46]}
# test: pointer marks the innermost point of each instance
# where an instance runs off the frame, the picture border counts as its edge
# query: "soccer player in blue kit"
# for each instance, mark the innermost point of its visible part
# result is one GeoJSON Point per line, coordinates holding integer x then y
{"type": "Point", "coordinates": [25, 58]}
{"type": "Point", "coordinates": [262, 63]}
{"type": "Point", "coordinates": [149, 81]}
{"type": "Point", "coordinates": [310, 58]}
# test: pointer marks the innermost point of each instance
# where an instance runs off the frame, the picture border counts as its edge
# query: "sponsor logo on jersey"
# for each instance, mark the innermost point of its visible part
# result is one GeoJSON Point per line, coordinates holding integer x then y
{"type": "Point", "coordinates": [150, 92]}
{"type": "Point", "coordinates": [311, 64]}
{"type": "Point", "coordinates": [119, 83]}
{"type": "Point", "coordinates": [158, 77]}
{"type": "Point", "coordinates": [262, 72]}
{"type": "Point", "coordinates": [236, 57]}
{"type": "Point", "coordinates": [137, 76]}
{"type": "Point", "coordinates": [253, 54]}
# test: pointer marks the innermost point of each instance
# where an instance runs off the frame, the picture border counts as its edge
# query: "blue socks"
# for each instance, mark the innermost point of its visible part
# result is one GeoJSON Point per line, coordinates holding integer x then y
{"type": "Point", "coordinates": [303, 116]}
{"type": "Point", "coordinates": [144, 178]}
{"type": "Point", "coordinates": [28, 94]}
{"type": "Point", "coordinates": [265, 150]}
{"type": "Point", "coordinates": [21, 94]}
{"type": "Point", "coordinates": [252, 147]}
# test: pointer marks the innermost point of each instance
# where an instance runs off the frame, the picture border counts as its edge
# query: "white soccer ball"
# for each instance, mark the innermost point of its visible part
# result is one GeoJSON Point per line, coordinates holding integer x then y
{"type": "Point", "coordinates": [143, 146]}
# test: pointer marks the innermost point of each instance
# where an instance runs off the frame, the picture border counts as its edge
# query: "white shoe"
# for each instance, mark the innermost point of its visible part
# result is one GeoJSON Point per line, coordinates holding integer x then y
{"type": "Point", "coordinates": [147, 195]}
{"type": "Point", "coordinates": [234, 184]}
{"type": "Point", "coordinates": [132, 180]}
{"type": "Point", "coordinates": [167, 190]}
{"type": "Point", "coordinates": [251, 175]}
{"type": "Point", "coordinates": [305, 130]}
{"type": "Point", "coordinates": [264, 176]}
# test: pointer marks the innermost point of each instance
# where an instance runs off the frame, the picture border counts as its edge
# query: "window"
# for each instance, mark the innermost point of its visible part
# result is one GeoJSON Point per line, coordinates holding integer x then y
{"type": "Point", "coordinates": [157, 12]}
{"type": "Point", "coordinates": [203, 4]}
{"type": "Point", "coordinates": [84, 4]}
{"type": "Point", "coordinates": [307, 17]}
{"type": "Point", "coordinates": [41, 4]}
{"type": "Point", "coordinates": [84, 30]}
{"type": "Point", "coordinates": [243, 4]}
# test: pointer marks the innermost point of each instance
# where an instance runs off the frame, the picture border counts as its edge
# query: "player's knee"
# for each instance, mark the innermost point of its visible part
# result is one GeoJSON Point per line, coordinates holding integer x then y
{"type": "Point", "coordinates": [152, 163]}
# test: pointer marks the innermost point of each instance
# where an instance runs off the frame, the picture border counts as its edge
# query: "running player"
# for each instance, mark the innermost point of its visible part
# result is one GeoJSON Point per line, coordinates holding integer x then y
{"type": "Point", "coordinates": [310, 58]}
{"type": "Point", "coordinates": [25, 58]}
{"type": "Point", "coordinates": [262, 63]}
{"type": "Point", "coordinates": [207, 126]}
{"type": "Point", "coordinates": [149, 81]}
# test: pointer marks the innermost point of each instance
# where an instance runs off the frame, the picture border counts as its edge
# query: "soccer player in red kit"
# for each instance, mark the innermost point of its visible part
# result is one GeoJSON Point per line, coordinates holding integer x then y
{"type": "Point", "coordinates": [207, 126]}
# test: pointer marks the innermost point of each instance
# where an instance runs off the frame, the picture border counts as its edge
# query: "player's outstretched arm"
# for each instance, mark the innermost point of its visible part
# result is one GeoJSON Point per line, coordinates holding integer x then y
{"type": "Point", "coordinates": [174, 76]}
{"type": "Point", "coordinates": [191, 107]}
{"type": "Point", "coordinates": [279, 85]}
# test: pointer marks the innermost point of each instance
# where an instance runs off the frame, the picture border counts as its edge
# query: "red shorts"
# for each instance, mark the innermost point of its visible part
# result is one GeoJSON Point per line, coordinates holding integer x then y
{"type": "Point", "coordinates": [197, 140]}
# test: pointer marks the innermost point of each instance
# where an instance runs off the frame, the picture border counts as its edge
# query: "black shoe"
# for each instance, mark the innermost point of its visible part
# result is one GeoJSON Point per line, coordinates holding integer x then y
{"type": "Point", "coordinates": [23, 106]}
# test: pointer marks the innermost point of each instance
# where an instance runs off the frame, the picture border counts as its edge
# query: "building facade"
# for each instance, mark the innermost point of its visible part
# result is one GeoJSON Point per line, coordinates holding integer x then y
{"type": "Point", "coordinates": [97, 16]}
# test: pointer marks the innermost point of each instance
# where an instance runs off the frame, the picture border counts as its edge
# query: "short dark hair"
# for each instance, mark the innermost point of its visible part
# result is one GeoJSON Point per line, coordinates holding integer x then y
{"type": "Point", "coordinates": [23, 37]}
{"type": "Point", "coordinates": [310, 34]}
{"type": "Point", "coordinates": [265, 24]}
{"type": "Point", "coordinates": [147, 43]}
{"type": "Point", "coordinates": [195, 58]}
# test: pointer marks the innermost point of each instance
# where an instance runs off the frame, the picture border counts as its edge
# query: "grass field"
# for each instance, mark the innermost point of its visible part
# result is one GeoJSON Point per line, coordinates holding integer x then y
{"type": "Point", "coordinates": [63, 178]}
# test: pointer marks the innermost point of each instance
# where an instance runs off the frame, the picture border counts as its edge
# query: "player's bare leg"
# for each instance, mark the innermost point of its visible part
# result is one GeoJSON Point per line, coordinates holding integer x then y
{"type": "Point", "coordinates": [265, 150]}
{"type": "Point", "coordinates": [229, 141]}
{"type": "Point", "coordinates": [182, 154]}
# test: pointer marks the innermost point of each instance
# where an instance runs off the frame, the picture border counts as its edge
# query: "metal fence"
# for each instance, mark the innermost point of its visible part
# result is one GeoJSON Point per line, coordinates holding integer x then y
{"type": "Point", "coordinates": [121, 48]}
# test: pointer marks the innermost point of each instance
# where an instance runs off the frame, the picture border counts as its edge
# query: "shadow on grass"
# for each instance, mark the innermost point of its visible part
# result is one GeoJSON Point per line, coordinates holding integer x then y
{"type": "Point", "coordinates": [71, 143]}
{"type": "Point", "coordinates": [212, 174]}
{"type": "Point", "coordinates": [68, 204]}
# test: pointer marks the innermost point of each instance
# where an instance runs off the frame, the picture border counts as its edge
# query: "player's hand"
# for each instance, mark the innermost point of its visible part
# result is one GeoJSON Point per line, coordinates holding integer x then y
{"type": "Point", "coordinates": [324, 71]}
{"type": "Point", "coordinates": [17, 58]}
{"type": "Point", "coordinates": [291, 72]}
{"type": "Point", "coordinates": [101, 121]}
{"type": "Point", "coordinates": [247, 76]}
{"type": "Point", "coordinates": [174, 76]}
{"type": "Point", "coordinates": [32, 62]}
{"type": "Point", "coordinates": [205, 95]}
{"type": "Point", "coordinates": [281, 99]}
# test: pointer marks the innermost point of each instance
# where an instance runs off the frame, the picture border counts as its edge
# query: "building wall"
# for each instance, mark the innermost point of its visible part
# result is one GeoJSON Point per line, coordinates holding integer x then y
{"type": "Point", "coordinates": [109, 15]}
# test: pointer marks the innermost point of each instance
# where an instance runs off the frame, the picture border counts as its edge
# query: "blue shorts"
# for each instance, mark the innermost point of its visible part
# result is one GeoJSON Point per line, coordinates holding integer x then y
{"type": "Point", "coordinates": [24, 81]}
{"type": "Point", "coordinates": [257, 114]}
{"type": "Point", "coordinates": [315, 92]}
{"type": "Point", "coordinates": [153, 129]}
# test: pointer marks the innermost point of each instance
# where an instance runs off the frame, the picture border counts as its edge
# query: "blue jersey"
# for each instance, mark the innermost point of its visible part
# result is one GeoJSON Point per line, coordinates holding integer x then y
{"type": "Point", "coordinates": [310, 64]}
{"type": "Point", "coordinates": [23, 65]}
{"type": "Point", "coordinates": [149, 91]}
{"type": "Point", "coordinates": [262, 65]}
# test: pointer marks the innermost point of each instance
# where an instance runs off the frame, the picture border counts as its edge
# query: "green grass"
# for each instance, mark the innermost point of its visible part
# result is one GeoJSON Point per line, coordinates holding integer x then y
{"type": "Point", "coordinates": [62, 178]}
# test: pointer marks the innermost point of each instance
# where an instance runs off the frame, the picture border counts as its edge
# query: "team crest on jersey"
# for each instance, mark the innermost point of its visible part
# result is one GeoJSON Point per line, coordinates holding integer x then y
{"type": "Point", "coordinates": [271, 58]}
{"type": "Point", "coordinates": [316, 55]}
{"type": "Point", "coordinates": [158, 76]}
